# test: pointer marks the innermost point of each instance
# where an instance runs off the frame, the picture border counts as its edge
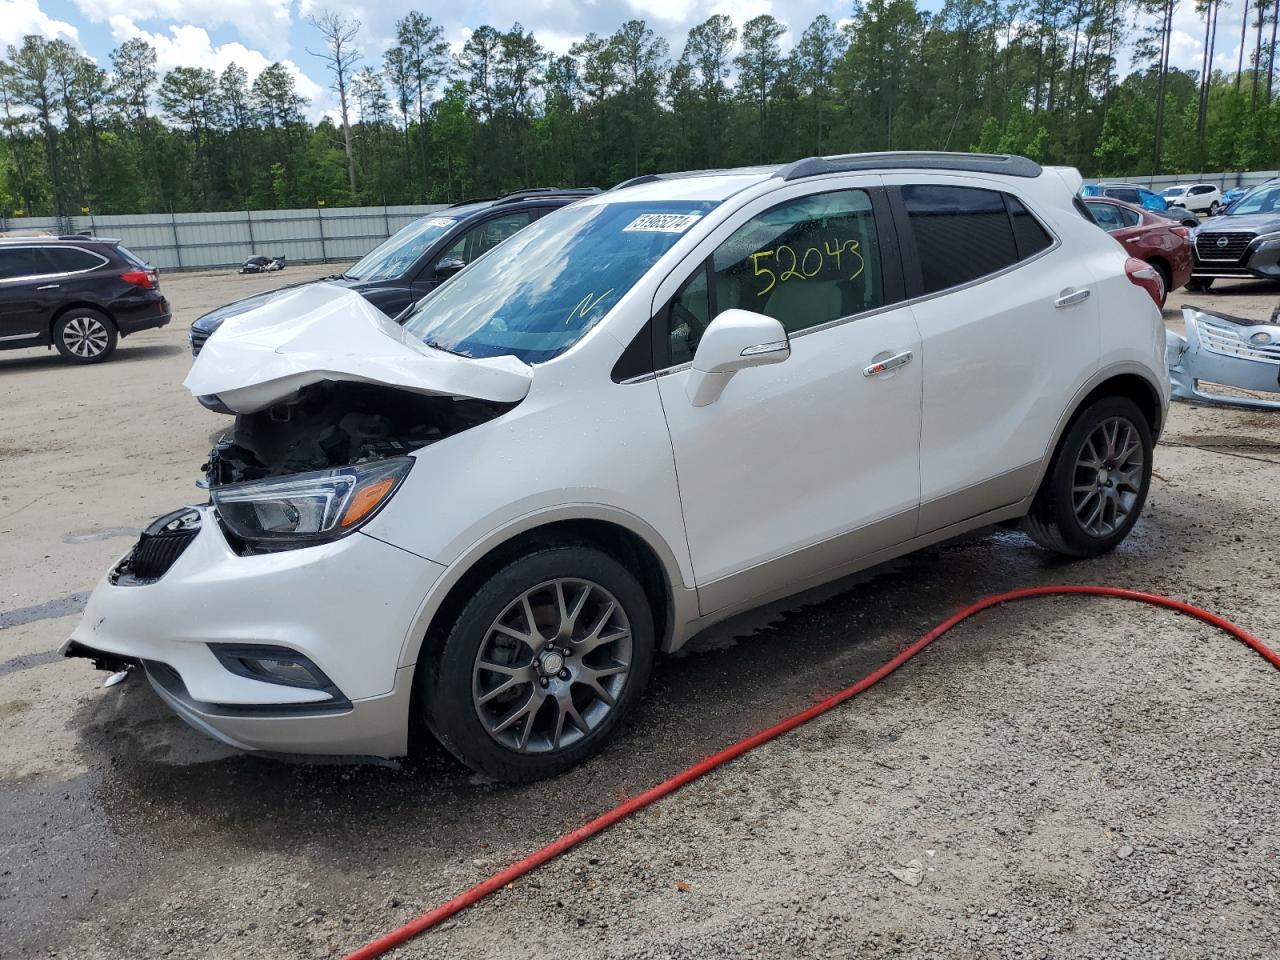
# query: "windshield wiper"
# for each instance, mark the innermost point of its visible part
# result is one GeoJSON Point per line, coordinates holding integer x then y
{"type": "Point", "coordinates": [436, 346]}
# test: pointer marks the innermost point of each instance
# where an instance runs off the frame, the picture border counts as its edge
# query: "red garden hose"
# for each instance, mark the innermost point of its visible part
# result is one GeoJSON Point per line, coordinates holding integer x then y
{"type": "Point", "coordinates": [567, 842]}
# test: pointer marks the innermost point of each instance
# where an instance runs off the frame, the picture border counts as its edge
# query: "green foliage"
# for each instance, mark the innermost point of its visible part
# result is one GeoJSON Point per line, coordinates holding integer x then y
{"type": "Point", "coordinates": [1033, 77]}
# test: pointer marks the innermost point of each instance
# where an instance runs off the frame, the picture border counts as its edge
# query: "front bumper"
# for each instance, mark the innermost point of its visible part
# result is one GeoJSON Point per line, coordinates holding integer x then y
{"type": "Point", "coordinates": [1223, 351]}
{"type": "Point", "coordinates": [347, 605]}
{"type": "Point", "coordinates": [1259, 261]}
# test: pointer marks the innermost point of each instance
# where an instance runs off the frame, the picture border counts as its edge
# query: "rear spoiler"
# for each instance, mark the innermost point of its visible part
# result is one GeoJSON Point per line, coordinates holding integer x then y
{"type": "Point", "coordinates": [1069, 176]}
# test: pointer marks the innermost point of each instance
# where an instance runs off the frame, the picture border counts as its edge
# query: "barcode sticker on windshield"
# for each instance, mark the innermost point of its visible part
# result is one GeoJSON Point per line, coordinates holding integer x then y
{"type": "Point", "coordinates": [662, 223]}
{"type": "Point", "coordinates": [438, 222]}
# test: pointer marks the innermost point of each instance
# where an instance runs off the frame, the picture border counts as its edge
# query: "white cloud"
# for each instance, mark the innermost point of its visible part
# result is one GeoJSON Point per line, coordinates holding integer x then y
{"type": "Point", "coordinates": [265, 22]}
{"type": "Point", "coordinates": [21, 17]}
{"type": "Point", "coordinates": [189, 46]}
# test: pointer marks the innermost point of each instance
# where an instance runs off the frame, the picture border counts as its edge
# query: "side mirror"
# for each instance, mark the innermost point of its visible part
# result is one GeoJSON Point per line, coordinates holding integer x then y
{"type": "Point", "coordinates": [733, 341]}
{"type": "Point", "coordinates": [448, 267]}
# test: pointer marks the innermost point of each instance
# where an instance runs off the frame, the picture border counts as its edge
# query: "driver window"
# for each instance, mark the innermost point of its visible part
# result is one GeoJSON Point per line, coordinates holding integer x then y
{"type": "Point", "coordinates": [805, 262]}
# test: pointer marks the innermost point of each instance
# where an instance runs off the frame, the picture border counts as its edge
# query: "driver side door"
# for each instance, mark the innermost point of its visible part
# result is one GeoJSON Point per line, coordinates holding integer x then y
{"type": "Point", "coordinates": [797, 469]}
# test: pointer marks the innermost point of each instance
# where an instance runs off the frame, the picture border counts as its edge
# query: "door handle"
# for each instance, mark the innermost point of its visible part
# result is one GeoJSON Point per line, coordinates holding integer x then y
{"type": "Point", "coordinates": [49, 286]}
{"type": "Point", "coordinates": [1069, 298]}
{"type": "Point", "coordinates": [887, 364]}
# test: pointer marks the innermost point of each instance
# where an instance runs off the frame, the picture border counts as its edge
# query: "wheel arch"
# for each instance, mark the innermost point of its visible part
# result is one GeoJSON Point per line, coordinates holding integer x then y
{"type": "Point", "coordinates": [622, 536]}
{"type": "Point", "coordinates": [80, 305]}
{"type": "Point", "coordinates": [1123, 380]}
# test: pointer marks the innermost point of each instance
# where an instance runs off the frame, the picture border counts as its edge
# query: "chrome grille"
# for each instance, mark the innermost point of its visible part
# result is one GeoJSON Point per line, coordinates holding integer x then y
{"type": "Point", "coordinates": [1208, 246]}
{"type": "Point", "coordinates": [1232, 341]}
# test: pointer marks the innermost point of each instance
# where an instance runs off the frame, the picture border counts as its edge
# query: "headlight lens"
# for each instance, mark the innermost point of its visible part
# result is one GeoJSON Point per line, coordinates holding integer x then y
{"type": "Point", "coordinates": [308, 508]}
{"type": "Point", "coordinates": [1267, 242]}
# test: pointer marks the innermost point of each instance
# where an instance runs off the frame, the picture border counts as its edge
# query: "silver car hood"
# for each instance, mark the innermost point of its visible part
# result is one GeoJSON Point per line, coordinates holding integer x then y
{"type": "Point", "coordinates": [323, 332]}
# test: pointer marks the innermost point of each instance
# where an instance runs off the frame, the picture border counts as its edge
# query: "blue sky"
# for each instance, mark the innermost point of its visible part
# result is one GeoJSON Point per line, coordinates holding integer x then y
{"type": "Point", "coordinates": [254, 33]}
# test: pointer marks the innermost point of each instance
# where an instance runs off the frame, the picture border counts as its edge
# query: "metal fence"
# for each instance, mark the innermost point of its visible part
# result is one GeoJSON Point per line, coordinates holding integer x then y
{"type": "Point", "coordinates": [195, 241]}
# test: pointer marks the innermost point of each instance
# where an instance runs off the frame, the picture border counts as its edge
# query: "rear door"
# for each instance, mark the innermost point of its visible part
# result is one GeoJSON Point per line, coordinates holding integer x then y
{"type": "Point", "coordinates": [28, 292]}
{"type": "Point", "coordinates": [1009, 328]}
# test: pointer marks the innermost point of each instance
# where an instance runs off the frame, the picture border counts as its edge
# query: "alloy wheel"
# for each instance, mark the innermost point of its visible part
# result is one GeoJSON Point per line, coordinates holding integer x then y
{"type": "Point", "coordinates": [85, 337]}
{"type": "Point", "coordinates": [552, 666]}
{"type": "Point", "coordinates": [1108, 477]}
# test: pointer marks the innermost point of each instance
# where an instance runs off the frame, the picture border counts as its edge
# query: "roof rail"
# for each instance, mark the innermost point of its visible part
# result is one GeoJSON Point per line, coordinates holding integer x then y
{"type": "Point", "coordinates": [535, 192]}
{"type": "Point", "coordinates": [1012, 166]}
{"type": "Point", "coordinates": [470, 200]}
{"type": "Point", "coordinates": [686, 174]}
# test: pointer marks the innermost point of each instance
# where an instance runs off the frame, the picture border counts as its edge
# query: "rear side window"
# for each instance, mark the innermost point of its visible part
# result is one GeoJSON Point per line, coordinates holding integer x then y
{"type": "Point", "coordinates": [23, 262]}
{"type": "Point", "coordinates": [73, 259]}
{"type": "Point", "coordinates": [961, 233]}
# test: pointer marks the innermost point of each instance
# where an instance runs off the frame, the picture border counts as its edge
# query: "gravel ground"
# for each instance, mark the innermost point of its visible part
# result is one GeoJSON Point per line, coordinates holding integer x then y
{"type": "Point", "coordinates": [1074, 778]}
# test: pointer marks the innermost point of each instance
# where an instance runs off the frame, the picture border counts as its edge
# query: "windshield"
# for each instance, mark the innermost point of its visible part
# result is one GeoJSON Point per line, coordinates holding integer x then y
{"type": "Point", "coordinates": [538, 293]}
{"type": "Point", "coordinates": [1265, 199]}
{"type": "Point", "coordinates": [396, 254]}
{"type": "Point", "coordinates": [1174, 192]}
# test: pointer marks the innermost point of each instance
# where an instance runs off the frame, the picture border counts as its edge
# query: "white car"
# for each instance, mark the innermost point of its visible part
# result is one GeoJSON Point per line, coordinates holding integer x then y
{"type": "Point", "coordinates": [646, 412]}
{"type": "Point", "coordinates": [1196, 197]}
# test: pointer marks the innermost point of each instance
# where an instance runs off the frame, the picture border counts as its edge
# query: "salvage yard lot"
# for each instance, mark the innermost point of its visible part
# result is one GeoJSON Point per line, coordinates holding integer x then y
{"type": "Point", "coordinates": [1078, 778]}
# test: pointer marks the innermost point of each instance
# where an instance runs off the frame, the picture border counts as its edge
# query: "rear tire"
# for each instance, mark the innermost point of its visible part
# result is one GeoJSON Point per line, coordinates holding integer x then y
{"type": "Point", "coordinates": [84, 335]}
{"type": "Point", "coordinates": [1214, 208]}
{"type": "Point", "coordinates": [1097, 481]}
{"type": "Point", "coordinates": [519, 700]}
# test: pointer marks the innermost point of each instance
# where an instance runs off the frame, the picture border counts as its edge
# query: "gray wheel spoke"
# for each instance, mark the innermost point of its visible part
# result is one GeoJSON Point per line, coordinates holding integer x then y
{"type": "Point", "coordinates": [1108, 476]}
{"type": "Point", "coordinates": [563, 623]}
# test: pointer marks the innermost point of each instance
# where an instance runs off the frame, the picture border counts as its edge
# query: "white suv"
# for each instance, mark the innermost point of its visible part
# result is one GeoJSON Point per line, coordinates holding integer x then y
{"type": "Point", "coordinates": [647, 411]}
{"type": "Point", "coordinates": [1196, 197]}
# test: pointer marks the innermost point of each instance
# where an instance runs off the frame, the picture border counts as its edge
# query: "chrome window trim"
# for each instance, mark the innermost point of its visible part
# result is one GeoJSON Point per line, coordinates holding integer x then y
{"type": "Point", "coordinates": [49, 246]}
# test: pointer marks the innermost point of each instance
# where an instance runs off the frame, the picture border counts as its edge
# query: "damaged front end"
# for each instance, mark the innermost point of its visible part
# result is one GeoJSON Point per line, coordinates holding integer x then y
{"type": "Point", "coordinates": [331, 399]}
{"type": "Point", "coordinates": [1225, 360]}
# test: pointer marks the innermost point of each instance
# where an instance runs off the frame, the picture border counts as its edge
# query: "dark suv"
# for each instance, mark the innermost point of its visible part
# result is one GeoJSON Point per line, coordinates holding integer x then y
{"type": "Point", "coordinates": [413, 262]}
{"type": "Point", "coordinates": [80, 294]}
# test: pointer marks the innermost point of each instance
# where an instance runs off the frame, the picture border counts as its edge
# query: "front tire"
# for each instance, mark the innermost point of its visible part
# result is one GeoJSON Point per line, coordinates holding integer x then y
{"type": "Point", "coordinates": [1214, 208]}
{"type": "Point", "coordinates": [1200, 284]}
{"type": "Point", "coordinates": [1097, 482]}
{"type": "Point", "coordinates": [540, 665]}
{"type": "Point", "coordinates": [83, 335]}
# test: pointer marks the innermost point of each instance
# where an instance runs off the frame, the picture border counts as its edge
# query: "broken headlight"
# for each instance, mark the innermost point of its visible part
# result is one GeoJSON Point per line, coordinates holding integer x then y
{"type": "Point", "coordinates": [307, 508]}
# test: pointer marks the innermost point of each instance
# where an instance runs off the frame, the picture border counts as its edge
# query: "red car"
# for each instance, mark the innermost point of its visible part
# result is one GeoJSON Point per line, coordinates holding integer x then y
{"type": "Point", "coordinates": [1163, 243]}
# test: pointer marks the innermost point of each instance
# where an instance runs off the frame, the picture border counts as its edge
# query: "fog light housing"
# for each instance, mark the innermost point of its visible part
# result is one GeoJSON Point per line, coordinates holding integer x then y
{"type": "Point", "coordinates": [272, 664]}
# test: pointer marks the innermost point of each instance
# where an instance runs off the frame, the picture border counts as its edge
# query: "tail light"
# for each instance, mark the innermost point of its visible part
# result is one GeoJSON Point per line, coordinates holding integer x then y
{"type": "Point", "coordinates": [1182, 231]}
{"type": "Point", "coordinates": [1147, 277]}
{"type": "Point", "coordinates": [140, 278]}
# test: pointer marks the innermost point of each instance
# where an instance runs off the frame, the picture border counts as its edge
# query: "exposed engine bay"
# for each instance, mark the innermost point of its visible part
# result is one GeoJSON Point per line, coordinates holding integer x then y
{"type": "Point", "coordinates": [338, 423]}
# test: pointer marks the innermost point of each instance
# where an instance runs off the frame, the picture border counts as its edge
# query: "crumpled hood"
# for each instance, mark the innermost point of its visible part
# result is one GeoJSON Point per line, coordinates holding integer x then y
{"type": "Point", "coordinates": [322, 332]}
